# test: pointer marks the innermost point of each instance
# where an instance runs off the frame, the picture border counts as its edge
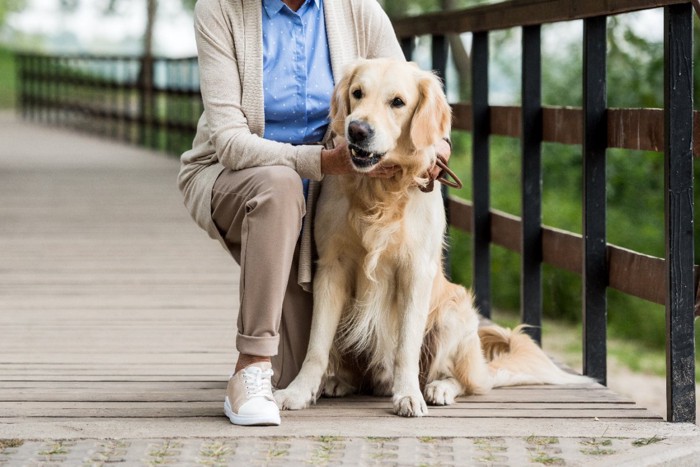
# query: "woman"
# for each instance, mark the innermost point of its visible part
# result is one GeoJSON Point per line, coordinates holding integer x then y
{"type": "Point", "coordinates": [267, 69]}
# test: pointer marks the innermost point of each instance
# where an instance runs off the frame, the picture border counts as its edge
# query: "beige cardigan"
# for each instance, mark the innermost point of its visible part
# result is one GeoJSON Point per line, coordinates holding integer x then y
{"type": "Point", "coordinates": [229, 132]}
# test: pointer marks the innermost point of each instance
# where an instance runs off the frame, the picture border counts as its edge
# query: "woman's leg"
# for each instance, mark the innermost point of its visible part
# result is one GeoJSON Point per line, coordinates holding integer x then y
{"type": "Point", "coordinates": [259, 213]}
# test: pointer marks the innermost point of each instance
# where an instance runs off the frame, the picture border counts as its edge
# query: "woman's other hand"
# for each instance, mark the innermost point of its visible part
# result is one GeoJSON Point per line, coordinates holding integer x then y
{"type": "Point", "coordinates": [336, 161]}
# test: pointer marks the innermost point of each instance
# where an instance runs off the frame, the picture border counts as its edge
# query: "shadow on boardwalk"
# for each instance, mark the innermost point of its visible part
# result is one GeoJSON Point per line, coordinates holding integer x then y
{"type": "Point", "coordinates": [118, 321]}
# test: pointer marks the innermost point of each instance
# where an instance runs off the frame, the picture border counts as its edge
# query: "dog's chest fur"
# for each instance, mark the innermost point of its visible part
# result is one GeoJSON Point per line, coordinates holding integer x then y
{"type": "Point", "coordinates": [378, 235]}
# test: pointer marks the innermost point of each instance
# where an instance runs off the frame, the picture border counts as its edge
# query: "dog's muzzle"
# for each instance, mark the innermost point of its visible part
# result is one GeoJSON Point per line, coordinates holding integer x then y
{"type": "Point", "coordinates": [360, 133]}
{"type": "Point", "coordinates": [363, 159]}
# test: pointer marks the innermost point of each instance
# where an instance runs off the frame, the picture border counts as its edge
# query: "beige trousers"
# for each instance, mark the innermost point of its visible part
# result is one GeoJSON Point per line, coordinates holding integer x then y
{"type": "Point", "coordinates": [259, 213]}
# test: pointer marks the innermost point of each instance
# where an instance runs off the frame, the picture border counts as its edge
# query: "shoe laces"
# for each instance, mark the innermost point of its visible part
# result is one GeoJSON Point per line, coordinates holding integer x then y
{"type": "Point", "coordinates": [258, 382]}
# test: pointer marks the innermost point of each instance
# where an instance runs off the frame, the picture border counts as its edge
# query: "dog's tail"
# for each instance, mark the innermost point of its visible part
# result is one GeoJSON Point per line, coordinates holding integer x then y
{"type": "Point", "coordinates": [515, 359]}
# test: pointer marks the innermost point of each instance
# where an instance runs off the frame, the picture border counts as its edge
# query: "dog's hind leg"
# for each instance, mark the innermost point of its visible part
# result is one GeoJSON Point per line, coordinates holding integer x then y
{"type": "Point", "coordinates": [337, 387]}
{"type": "Point", "coordinates": [443, 391]}
{"type": "Point", "coordinates": [344, 381]}
{"type": "Point", "coordinates": [453, 359]}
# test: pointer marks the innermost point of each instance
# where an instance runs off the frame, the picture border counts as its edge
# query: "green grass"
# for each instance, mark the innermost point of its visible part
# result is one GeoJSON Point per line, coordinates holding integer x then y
{"type": "Point", "coordinates": [7, 78]}
{"type": "Point", "coordinates": [646, 441]}
{"type": "Point", "coordinates": [10, 443]}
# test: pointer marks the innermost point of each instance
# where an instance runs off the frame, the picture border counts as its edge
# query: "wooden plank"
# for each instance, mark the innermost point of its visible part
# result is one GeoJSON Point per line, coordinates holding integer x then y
{"type": "Point", "coordinates": [151, 409]}
{"type": "Point", "coordinates": [635, 129]}
{"type": "Point", "coordinates": [515, 13]}
{"type": "Point", "coordinates": [116, 302]}
{"type": "Point", "coordinates": [118, 385]}
{"type": "Point", "coordinates": [118, 378]}
{"type": "Point", "coordinates": [499, 396]}
{"type": "Point", "coordinates": [634, 273]}
{"type": "Point", "coordinates": [90, 394]}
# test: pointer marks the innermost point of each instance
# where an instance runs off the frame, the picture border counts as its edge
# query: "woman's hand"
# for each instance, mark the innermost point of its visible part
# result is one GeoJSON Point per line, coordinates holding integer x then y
{"type": "Point", "coordinates": [336, 161]}
{"type": "Point", "coordinates": [442, 148]}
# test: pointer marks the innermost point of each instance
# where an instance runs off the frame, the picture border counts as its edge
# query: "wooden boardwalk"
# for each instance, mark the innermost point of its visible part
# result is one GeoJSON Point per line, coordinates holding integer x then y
{"type": "Point", "coordinates": [118, 314]}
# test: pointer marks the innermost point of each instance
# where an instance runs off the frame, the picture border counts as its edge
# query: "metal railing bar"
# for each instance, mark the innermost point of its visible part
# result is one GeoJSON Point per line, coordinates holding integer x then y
{"type": "Point", "coordinates": [480, 173]}
{"type": "Point", "coordinates": [531, 183]}
{"type": "Point", "coordinates": [678, 175]}
{"type": "Point", "coordinates": [595, 140]}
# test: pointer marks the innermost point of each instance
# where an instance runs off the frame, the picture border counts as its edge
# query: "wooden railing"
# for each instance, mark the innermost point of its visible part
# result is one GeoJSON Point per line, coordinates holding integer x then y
{"type": "Point", "coordinates": [672, 280]}
{"type": "Point", "coordinates": [107, 95]}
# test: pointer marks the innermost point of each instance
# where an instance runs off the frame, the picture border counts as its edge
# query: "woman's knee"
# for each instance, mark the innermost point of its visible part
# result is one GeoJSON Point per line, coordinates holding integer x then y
{"type": "Point", "coordinates": [276, 194]}
{"type": "Point", "coordinates": [281, 189]}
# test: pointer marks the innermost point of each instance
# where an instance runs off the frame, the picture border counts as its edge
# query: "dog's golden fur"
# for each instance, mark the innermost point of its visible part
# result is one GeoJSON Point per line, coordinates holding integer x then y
{"type": "Point", "coordinates": [380, 296]}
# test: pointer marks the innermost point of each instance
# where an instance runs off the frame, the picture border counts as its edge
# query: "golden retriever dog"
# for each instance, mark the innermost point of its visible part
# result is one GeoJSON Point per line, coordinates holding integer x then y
{"type": "Point", "coordinates": [384, 314]}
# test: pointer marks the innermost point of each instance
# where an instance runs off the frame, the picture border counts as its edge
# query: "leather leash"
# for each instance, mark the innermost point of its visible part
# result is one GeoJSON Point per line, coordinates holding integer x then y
{"type": "Point", "coordinates": [442, 177]}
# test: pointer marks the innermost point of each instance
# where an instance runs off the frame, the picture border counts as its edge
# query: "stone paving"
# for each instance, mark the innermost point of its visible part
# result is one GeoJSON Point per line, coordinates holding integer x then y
{"type": "Point", "coordinates": [324, 450]}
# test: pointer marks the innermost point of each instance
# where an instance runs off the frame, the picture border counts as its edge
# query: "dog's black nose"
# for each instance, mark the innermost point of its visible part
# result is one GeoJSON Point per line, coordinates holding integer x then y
{"type": "Point", "coordinates": [359, 132]}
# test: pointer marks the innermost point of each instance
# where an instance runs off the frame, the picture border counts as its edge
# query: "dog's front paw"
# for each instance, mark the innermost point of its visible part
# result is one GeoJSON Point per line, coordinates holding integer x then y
{"type": "Point", "coordinates": [440, 393]}
{"type": "Point", "coordinates": [293, 399]}
{"type": "Point", "coordinates": [410, 406]}
{"type": "Point", "coordinates": [335, 387]}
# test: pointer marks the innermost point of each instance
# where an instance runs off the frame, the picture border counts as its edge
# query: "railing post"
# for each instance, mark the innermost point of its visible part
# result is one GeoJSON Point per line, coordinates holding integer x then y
{"type": "Point", "coordinates": [44, 84]}
{"type": "Point", "coordinates": [440, 51]}
{"type": "Point", "coordinates": [595, 141]}
{"type": "Point", "coordinates": [408, 45]}
{"type": "Point", "coordinates": [531, 176]}
{"type": "Point", "coordinates": [480, 172]}
{"type": "Point", "coordinates": [30, 86]}
{"type": "Point", "coordinates": [20, 79]}
{"type": "Point", "coordinates": [678, 181]}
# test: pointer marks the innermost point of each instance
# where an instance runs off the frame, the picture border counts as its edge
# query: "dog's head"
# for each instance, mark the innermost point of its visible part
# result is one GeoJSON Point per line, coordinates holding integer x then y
{"type": "Point", "coordinates": [390, 111]}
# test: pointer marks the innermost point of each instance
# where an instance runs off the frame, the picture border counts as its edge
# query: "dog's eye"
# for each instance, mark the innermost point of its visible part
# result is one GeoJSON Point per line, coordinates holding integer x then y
{"type": "Point", "coordinates": [397, 102]}
{"type": "Point", "coordinates": [357, 94]}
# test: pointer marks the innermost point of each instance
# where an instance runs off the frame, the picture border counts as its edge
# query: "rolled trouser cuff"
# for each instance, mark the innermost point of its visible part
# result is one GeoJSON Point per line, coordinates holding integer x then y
{"type": "Point", "coordinates": [266, 346]}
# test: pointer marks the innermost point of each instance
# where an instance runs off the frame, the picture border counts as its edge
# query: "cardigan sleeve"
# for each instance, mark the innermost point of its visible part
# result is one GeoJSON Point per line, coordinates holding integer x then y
{"type": "Point", "coordinates": [220, 80]}
{"type": "Point", "coordinates": [378, 33]}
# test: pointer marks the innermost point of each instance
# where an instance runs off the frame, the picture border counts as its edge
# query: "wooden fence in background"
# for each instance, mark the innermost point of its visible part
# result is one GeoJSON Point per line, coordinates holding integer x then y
{"type": "Point", "coordinates": [107, 96]}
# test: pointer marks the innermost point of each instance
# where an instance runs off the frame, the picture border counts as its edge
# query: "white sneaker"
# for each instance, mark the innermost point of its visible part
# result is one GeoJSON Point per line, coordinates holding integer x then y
{"type": "Point", "coordinates": [249, 399]}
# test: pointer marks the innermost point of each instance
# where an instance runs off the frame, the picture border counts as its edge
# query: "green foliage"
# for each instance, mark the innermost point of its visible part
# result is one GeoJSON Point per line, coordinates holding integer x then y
{"type": "Point", "coordinates": [10, 6]}
{"type": "Point", "coordinates": [398, 8]}
{"type": "Point", "coordinates": [635, 67]}
{"type": "Point", "coordinates": [7, 78]}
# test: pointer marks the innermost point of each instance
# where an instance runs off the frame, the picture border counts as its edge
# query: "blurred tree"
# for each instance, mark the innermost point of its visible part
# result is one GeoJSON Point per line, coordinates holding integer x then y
{"type": "Point", "coordinates": [460, 54]}
{"type": "Point", "coordinates": [10, 6]}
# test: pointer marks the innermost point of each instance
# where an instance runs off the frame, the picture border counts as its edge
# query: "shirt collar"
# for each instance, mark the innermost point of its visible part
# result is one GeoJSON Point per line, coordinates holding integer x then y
{"type": "Point", "coordinates": [273, 7]}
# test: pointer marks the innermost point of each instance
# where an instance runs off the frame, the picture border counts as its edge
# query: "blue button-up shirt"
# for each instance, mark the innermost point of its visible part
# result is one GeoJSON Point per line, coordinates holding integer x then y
{"type": "Point", "coordinates": [297, 76]}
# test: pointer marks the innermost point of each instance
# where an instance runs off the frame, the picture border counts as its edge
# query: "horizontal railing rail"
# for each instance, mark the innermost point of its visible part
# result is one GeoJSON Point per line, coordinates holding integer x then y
{"type": "Point", "coordinates": [633, 273]}
{"type": "Point", "coordinates": [517, 13]}
{"type": "Point", "coordinates": [672, 280]}
{"type": "Point", "coordinates": [639, 129]}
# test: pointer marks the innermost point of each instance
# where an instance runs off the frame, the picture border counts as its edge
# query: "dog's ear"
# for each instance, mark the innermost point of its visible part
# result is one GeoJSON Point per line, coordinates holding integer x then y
{"type": "Point", "coordinates": [340, 101]}
{"type": "Point", "coordinates": [432, 118]}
